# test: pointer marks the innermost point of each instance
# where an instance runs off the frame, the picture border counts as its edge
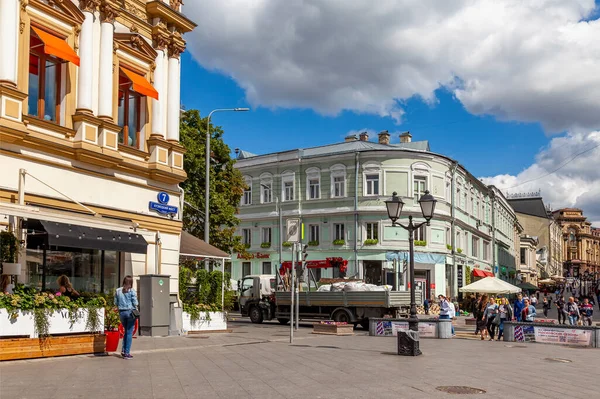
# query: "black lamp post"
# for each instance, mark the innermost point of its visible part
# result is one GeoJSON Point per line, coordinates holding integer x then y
{"type": "Point", "coordinates": [394, 209]}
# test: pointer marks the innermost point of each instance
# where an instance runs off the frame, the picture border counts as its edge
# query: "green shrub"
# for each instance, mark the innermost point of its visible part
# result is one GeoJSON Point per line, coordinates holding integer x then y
{"type": "Point", "coordinates": [313, 243]}
{"type": "Point", "coordinates": [371, 241]}
{"type": "Point", "coordinates": [420, 243]}
{"type": "Point", "coordinates": [339, 242]}
{"type": "Point", "coordinates": [265, 245]}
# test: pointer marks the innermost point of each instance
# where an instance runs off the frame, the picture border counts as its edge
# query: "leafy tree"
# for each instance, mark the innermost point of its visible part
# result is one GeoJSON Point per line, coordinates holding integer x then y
{"type": "Point", "coordinates": [226, 183]}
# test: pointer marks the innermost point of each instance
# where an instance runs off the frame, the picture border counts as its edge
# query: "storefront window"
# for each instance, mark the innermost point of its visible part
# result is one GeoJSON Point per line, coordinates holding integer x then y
{"type": "Point", "coordinates": [111, 271]}
{"type": "Point", "coordinates": [34, 268]}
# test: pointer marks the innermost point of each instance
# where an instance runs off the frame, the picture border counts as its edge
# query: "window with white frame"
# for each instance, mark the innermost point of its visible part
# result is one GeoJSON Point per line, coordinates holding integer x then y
{"type": "Point", "coordinates": [247, 197]}
{"type": "Point", "coordinates": [482, 209]}
{"type": "Point", "coordinates": [458, 198]}
{"type": "Point", "coordinates": [313, 233]}
{"type": "Point", "coordinates": [486, 250]}
{"type": "Point", "coordinates": [247, 237]}
{"type": "Point", "coordinates": [457, 243]}
{"type": "Point", "coordinates": [465, 201]}
{"type": "Point", "coordinates": [487, 213]}
{"type": "Point", "coordinates": [313, 184]}
{"type": "Point", "coordinates": [372, 230]}
{"type": "Point", "coordinates": [338, 231]}
{"type": "Point", "coordinates": [287, 186]}
{"type": "Point", "coordinates": [338, 181]}
{"type": "Point", "coordinates": [419, 186]}
{"type": "Point", "coordinates": [419, 234]}
{"type": "Point", "coordinates": [475, 208]}
{"type": "Point", "coordinates": [372, 184]}
{"type": "Point", "coordinates": [266, 235]}
{"type": "Point", "coordinates": [475, 247]}
{"type": "Point", "coordinates": [266, 191]}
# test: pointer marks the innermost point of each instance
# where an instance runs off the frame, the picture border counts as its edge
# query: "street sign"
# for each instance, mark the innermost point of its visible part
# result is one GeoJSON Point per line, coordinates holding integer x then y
{"type": "Point", "coordinates": [293, 230]}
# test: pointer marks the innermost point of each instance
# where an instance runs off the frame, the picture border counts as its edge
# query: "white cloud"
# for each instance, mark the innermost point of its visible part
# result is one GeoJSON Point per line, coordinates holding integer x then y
{"type": "Point", "coordinates": [575, 184]}
{"type": "Point", "coordinates": [535, 60]}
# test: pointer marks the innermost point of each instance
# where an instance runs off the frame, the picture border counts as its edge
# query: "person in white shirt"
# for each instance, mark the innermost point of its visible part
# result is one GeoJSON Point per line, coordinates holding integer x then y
{"type": "Point", "coordinates": [446, 310]}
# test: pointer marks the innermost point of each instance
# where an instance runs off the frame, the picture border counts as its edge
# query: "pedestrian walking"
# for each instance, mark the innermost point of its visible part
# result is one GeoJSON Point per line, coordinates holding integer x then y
{"type": "Point", "coordinates": [446, 310]}
{"type": "Point", "coordinates": [506, 314]}
{"type": "Point", "coordinates": [572, 311]}
{"type": "Point", "coordinates": [546, 306]}
{"type": "Point", "coordinates": [126, 300]}
{"type": "Point", "coordinates": [560, 309]}
{"type": "Point", "coordinates": [491, 312]}
{"type": "Point", "coordinates": [480, 320]}
{"type": "Point", "coordinates": [534, 300]}
{"type": "Point", "coordinates": [587, 311]}
{"type": "Point", "coordinates": [426, 306]}
{"type": "Point", "coordinates": [519, 305]}
{"type": "Point", "coordinates": [528, 312]}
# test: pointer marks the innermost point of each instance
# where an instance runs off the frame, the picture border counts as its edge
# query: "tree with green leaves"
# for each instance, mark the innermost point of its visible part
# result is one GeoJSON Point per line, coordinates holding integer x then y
{"type": "Point", "coordinates": [226, 183]}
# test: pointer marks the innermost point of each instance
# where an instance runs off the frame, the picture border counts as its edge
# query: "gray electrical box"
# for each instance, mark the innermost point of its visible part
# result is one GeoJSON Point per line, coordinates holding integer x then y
{"type": "Point", "coordinates": [154, 305]}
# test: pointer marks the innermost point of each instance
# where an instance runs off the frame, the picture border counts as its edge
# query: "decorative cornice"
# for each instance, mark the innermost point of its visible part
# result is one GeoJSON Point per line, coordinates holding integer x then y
{"type": "Point", "coordinates": [176, 45]}
{"type": "Point", "coordinates": [158, 9]}
{"type": "Point", "coordinates": [89, 5]}
{"type": "Point", "coordinates": [108, 12]}
{"type": "Point", "coordinates": [176, 4]}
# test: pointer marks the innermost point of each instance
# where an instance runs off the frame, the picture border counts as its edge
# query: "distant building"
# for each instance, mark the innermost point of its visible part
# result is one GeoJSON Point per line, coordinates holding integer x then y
{"type": "Point", "coordinates": [538, 222]}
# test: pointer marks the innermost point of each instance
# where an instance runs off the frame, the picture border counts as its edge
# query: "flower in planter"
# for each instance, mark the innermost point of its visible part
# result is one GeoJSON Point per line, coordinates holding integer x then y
{"type": "Point", "coordinates": [286, 244]}
{"type": "Point", "coordinates": [58, 294]}
{"type": "Point", "coordinates": [265, 245]}
{"type": "Point", "coordinates": [420, 243]}
{"type": "Point", "coordinates": [371, 241]}
{"type": "Point", "coordinates": [339, 242]}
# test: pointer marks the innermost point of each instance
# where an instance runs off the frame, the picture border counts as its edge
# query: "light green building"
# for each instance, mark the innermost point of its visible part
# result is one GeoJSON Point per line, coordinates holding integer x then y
{"type": "Point", "coordinates": [338, 192]}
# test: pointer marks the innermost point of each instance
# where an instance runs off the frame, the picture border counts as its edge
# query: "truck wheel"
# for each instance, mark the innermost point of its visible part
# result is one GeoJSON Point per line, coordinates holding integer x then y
{"type": "Point", "coordinates": [283, 321]}
{"type": "Point", "coordinates": [341, 315]}
{"type": "Point", "coordinates": [256, 315]}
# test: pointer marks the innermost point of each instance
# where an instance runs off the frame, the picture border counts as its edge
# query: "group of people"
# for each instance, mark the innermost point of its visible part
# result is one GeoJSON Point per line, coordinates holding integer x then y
{"type": "Point", "coordinates": [577, 312]}
{"type": "Point", "coordinates": [491, 315]}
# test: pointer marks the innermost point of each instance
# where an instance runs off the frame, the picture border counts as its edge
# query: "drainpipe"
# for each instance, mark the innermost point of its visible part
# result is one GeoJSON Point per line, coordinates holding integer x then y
{"type": "Point", "coordinates": [357, 167]}
{"type": "Point", "coordinates": [453, 216]}
{"type": "Point", "coordinates": [493, 198]}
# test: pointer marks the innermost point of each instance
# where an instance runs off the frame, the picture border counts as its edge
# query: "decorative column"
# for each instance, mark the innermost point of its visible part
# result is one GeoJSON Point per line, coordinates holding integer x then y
{"type": "Point", "coordinates": [9, 34]}
{"type": "Point", "coordinates": [160, 42]}
{"type": "Point", "coordinates": [86, 57]}
{"type": "Point", "coordinates": [173, 94]}
{"type": "Point", "coordinates": [108, 13]}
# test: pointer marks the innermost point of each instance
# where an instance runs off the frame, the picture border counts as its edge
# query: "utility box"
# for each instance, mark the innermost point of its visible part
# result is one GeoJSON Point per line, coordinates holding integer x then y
{"type": "Point", "coordinates": [155, 305]}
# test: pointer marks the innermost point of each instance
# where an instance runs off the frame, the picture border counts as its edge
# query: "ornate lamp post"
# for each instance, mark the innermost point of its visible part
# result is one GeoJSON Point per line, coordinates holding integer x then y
{"type": "Point", "coordinates": [394, 209]}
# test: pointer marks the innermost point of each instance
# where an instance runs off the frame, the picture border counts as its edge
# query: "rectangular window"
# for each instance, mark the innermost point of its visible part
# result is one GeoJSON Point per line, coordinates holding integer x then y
{"type": "Point", "coordinates": [313, 233]}
{"type": "Point", "coordinates": [247, 198]}
{"type": "Point", "coordinates": [266, 234]}
{"type": "Point", "coordinates": [288, 188]}
{"type": "Point", "coordinates": [339, 186]}
{"type": "Point", "coordinates": [266, 192]}
{"type": "Point", "coordinates": [44, 82]}
{"type": "Point", "coordinates": [314, 189]}
{"type": "Point", "coordinates": [338, 231]}
{"type": "Point", "coordinates": [372, 231]}
{"type": "Point", "coordinates": [486, 250]}
{"type": "Point", "coordinates": [372, 182]}
{"type": "Point", "coordinates": [246, 269]}
{"type": "Point", "coordinates": [458, 197]}
{"type": "Point", "coordinates": [419, 234]}
{"type": "Point", "coordinates": [475, 248]}
{"type": "Point", "coordinates": [457, 243]}
{"type": "Point", "coordinates": [129, 113]}
{"type": "Point", "coordinates": [523, 256]}
{"type": "Point", "coordinates": [266, 268]}
{"type": "Point", "coordinates": [419, 187]}
{"type": "Point", "coordinates": [475, 208]}
{"type": "Point", "coordinates": [247, 237]}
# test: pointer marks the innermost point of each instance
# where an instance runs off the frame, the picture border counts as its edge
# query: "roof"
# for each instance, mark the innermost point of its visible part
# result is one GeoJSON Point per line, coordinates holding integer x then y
{"type": "Point", "coordinates": [351, 146]}
{"type": "Point", "coordinates": [194, 247]}
{"type": "Point", "coordinates": [529, 206]}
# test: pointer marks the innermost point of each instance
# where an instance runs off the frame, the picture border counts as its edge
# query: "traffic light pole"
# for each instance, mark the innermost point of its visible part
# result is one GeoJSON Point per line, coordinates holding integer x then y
{"type": "Point", "coordinates": [292, 288]}
{"type": "Point", "coordinates": [298, 259]}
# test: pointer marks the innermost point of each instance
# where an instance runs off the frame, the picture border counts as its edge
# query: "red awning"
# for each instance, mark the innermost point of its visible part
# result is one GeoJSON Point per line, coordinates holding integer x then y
{"type": "Point", "coordinates": [482, 273]}
{"type": "Point", "coordinates": [140, 84]}
{"type": "Point", "coordinates": [56, 46]}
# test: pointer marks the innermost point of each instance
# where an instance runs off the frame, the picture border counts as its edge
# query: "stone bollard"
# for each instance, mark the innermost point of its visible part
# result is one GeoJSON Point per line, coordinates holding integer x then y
{"type": "Point", "coordinates": [444, 329]}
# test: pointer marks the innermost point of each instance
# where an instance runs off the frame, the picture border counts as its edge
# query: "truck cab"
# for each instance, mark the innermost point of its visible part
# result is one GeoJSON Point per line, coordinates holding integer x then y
{"type": "Point", "coordinates": [256, 297]}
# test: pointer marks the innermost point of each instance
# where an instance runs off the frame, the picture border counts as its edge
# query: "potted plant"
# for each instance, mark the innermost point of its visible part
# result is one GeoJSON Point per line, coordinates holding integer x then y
{"type": "Point", "coordinates": [371, 241]}
{"type": "Point", "coordinates": [9, 247]}
{"type": "Point", "coordinates": [265, 245]}
{"type": "Point", "coordinates": [339, 242]}
{"type": "Point", "coordinates": [286, 244]}
{"type": "Point", "coordinates": [313, 243]}
{"type": "Point", "coordinates": [111, 328]}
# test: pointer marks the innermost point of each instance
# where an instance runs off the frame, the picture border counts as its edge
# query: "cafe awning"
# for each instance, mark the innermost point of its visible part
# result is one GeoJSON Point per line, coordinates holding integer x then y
{"type": "Point", "coordinates": [140, 84]}
{"type": "Point", "coordinates": [56, 46]}
{"type": "Point", "coordinates": [482, 273]}
{"type": "Point", "coordinates": [74, 236]}
{"type": "Point", "coordinates": [193, 247]}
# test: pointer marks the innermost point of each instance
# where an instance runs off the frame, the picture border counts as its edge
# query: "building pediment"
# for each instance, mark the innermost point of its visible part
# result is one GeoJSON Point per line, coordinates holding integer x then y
{"type": "Point", "coordinates": [64, 10]}
{"type": "Point", "coordinates": [136, 46]}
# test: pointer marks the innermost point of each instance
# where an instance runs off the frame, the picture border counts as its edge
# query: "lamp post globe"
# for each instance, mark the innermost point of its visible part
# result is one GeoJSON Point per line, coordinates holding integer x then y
{"type": "Point", "coordinates": [427, 203]}
{"type": "Point", "coordinates": [394, 207]}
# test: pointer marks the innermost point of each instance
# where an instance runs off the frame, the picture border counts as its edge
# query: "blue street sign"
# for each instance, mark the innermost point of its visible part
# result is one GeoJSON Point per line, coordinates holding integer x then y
{"type": "Point", "coordinates": [163, 197]}
{"type": "Point", "coordinates": [162, 208]}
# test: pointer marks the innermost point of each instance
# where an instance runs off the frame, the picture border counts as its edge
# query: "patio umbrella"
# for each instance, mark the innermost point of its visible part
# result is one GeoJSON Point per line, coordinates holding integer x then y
{"type": "Point", "coordinates": [528, 287]}
{"type": "Point", "coordinates": [491, 285]}
{"type": "Point", "coordinates": [547, 281]}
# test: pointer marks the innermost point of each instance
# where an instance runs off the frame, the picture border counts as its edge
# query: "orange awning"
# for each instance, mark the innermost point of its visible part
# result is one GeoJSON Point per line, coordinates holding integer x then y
{"type": "Point", "coordinates": [57, 46]}
{"type": "Point", "coordinates": [482, 273]}
{"type": "Point", "coordinates": [140, 84]}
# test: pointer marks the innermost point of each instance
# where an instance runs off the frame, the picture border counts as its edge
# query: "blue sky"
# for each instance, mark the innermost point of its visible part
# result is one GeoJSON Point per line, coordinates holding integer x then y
{"type": "Point", "coordinates": [484, 145]}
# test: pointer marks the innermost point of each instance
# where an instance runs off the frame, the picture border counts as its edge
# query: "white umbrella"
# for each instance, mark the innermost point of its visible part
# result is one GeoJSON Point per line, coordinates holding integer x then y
{"type": "Point", "coordinates": [491, 285]}
{"type": "Point", "coordinates": [547, 281]}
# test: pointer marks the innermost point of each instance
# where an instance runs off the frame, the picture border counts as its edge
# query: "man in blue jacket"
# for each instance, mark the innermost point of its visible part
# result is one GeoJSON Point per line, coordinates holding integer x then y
{"type": "Point", "coordinates": [519, 306]}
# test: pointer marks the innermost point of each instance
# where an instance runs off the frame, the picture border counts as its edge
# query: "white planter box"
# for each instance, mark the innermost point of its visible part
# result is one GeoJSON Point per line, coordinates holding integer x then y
{"type": "Point", "coordinates": [215, 321]}
{"type": "Point", "coordinates": [24, 324]}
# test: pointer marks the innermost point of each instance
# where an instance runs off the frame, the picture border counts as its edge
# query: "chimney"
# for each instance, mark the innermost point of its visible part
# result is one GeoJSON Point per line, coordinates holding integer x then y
{"type": "Point", "coordinates": [405, 137]}
{"type": "Point", "coordinates": [364, 136]}
{"type": "Point", "coordinates": [384, 137]}
{"type": "Point", "coordinates": [351, 137]}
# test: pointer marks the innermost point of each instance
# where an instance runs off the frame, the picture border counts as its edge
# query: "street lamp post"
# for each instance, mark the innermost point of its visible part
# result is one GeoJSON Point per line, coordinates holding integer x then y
{"type": "Point", "coordinates": [394, 209]}
{"type": "Point", "coordinates": [207, 178]}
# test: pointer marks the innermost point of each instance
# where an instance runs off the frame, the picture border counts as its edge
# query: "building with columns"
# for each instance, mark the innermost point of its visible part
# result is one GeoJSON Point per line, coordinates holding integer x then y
{"type": "Point", "coordinates": [89, 138]}
{"type": "Point", "coordinates": [338, 192]}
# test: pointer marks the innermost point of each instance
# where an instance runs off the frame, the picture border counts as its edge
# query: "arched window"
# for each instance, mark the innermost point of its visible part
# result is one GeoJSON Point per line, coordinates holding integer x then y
{"type": "Point", "coordinates": [288, 186]}
{"type": "Point", "coordinates": [247, 197]}
{"type": "Point", "coordinates": [266, 188]}
{"type": "Point", "coordinates": [313, 184]}
{"type": "Point", "coordinates": [338, 181]}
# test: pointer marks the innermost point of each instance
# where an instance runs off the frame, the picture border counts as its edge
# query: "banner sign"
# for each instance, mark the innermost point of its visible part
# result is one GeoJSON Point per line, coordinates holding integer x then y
{"type": "Point", "coordinates": [162, 206]}
{"type": "Point", "coordinates": [391, 328]}
{"type": "Point", "coordinates": [563, 336]}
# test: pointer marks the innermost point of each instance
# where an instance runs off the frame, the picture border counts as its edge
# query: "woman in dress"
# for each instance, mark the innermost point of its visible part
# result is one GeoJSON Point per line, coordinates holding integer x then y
{"type": "Point", "coordinates": [481, 320]}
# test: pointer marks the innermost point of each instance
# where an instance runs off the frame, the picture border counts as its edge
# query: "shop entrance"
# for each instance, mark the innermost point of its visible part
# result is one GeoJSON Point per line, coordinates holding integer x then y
{"type": "Point", "coordinates": [423, 282]}
{"type": "Point", "coordinates": [373, 272]}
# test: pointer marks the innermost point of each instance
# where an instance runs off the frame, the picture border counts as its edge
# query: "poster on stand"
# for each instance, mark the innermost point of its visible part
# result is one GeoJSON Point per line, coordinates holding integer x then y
{"type": "Point", "coordinates": [391, 328]}
{"type": "Point", "coordinates": [563, 336]}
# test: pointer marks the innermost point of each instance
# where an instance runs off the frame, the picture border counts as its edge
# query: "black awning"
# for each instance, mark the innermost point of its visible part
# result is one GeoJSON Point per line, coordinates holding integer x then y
{"type": "Point", "coordinates": [74, 236]}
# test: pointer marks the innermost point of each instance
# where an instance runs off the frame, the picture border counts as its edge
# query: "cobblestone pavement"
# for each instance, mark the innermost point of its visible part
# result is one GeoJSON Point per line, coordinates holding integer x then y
{"type": "Point", "coordinates": [257, 361]}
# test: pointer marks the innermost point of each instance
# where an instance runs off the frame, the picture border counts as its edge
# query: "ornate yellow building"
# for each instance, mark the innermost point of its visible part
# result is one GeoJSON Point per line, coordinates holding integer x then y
{"type": "Point", "coordinates": [89, 137]}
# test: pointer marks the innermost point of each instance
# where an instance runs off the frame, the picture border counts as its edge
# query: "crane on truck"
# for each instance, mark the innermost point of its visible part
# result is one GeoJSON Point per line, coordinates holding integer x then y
{"type": "Point", "coordinates": [267, 297]}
